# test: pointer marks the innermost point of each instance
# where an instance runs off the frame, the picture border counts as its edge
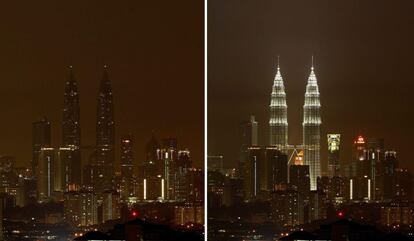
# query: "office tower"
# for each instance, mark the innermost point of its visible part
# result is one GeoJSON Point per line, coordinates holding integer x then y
{"type": "Point", "coordinates": [105, 156]}
{"type": "Point", "coordinates": [299, 181]}
{"type": "Point", "coordinates": [311, 129]}
{"type": "Point", "coordinates": [276, 169]}
{"type": "Point", "coordinates": [46, 174]}
{"type": "Point", "coordinates": [168, 154]}
{"type": "Point", "coordinates": [396, 214]}
{"type": "Point", "coordinates": [188, 213]}
{"type": "Point", "coordinates": [195, 180]}
{"type": "Point", "coordinates": [152, 156]}
{"type": "Point", "coordinates": [252, 173]}
{"type": "Point", "coordinates": [41, 137]}
{"type": "Point", "coordinates": [68, 168]}
{"type": "Point", "coordinates": [334, 141]}
{"type": "Point", "coordinates": [71, 133]}
{"type": "Point", "coordinates": [215, 163]}
{"type": "Point", "coordinates": [403, 181]}
{"type": "Point", "coordinates": [127, 166]}
{"type": "Point", "coordinates": [278, 123]}
{"type": "Point", "coordinates": [285, 207]}
{"type": "Point", "coordinates": [183, 164]}
{"type": "Point", "coordinates": [111, 206]}
{"type": "Point", "coordinates": [249, 133]}
{"type": "Point", "coordinates": [232, 191]}
{"type": "Point", "coordinates": [248, 136]}
{"type": "Point", "coordinates": [299, 178]}
{"type": "Point", "coordinates": [215, 189]}
{"type": "Point", "coordinates": [81, 208]}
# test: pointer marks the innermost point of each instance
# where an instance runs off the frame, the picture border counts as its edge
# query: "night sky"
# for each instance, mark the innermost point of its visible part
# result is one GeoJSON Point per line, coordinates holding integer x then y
{"type": "Point", "coordinates": [364, 58]}
{"type": "Point", "coordinates": [155, 55]}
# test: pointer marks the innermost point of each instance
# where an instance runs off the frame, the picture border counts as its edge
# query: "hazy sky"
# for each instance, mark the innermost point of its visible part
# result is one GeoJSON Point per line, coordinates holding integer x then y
{"type": "Point", "coordinates": [155, 55]}
{"type": "Point", "coordinates": [364, 58]}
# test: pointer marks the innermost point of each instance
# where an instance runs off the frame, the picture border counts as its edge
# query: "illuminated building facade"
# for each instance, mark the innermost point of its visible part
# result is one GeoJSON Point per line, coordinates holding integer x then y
{"type": "Point", "coordinates": [334, 141]}
{"type": "Point", "coordinates": [278, 122]}
{"type": "Point", "coordinates": [71, 132]}
{"type": "Point", "coordinates": [311, 129]}
{"type": "Point", "coordinates": [81, 208]}
{"type": "Point", "coordinates": [181, 168]}
{"type": "Point", "coordinates": [104, 156]}
{"type": "Point", "coordinates": [188, 214]}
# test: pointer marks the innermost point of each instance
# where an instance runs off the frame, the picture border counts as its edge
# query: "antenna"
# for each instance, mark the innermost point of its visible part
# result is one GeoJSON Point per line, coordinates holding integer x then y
{"type": "Point", "coordinates": [312, 63]}
{"type": "Point", "coordinates": [278, 62]}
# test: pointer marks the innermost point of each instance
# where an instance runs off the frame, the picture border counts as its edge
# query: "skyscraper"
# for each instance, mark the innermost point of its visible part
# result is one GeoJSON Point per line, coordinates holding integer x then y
{"type": "Point", "coordinates": [41, 137]}
{"type": "Point", "coordinates": [311, 129]}
{"type": "Point", "coordinates": [71, 112]}
{"type": "Point", "coordinates": [334, 141]}
{"type": "Point", "coordinates": [278, 114]}
{"type": "Point", "coordinates": [249, 133]}
{"type": "Point", "coordinates": [127, 165]}
{"type": "Point", "coordinates": [105, 156]}
{"type": "Point", "coordinates": [46, 174]}
{"type": "Point", "coordinates": [71, 132]}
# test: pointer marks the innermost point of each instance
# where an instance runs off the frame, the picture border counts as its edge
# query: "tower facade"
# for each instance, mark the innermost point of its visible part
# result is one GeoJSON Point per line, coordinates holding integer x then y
{"type": "Point", "coordinates": [334, 141]}
{"type": "Point", "coordinates": [127, 166]}
{"type": "Point", "coordinates": [311, 129]}
{"type": "Point", "coordinates": [278, 114]}
{"type": "Point", "coordinates": [71, 133]}
{"type": "Point", "coordinates": [105, 156]}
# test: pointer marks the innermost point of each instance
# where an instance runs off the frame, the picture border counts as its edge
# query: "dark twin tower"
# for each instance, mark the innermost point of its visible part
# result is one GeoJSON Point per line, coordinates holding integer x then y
{"type": "Point", "coordinates": [103, 158]}
{"type": "Point", "coordinates": [71, 130]}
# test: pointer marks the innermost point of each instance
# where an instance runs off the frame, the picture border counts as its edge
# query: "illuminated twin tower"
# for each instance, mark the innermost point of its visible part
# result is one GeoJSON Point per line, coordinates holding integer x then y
{"type": "Point", "coordinates": [311, 123]}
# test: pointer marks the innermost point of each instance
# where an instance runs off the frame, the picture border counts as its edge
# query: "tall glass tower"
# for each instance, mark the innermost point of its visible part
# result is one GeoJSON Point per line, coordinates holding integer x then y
{"type": "Point", "coordinates": [278, 114]}
{"type": "Point", "coordinates": [105, 156]}
{"type": "Point", "coordinates": [311, 129]}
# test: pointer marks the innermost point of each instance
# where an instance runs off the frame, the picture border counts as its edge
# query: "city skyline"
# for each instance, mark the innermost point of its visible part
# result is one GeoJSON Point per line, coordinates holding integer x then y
{"type": "Point", "coordinates": [363, 73]}
{"type": "Point", "coordinates": [146, 71]}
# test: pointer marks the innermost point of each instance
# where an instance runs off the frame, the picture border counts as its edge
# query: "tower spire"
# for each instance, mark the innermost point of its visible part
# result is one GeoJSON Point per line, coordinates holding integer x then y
{"type": "Point", "coordinates": [278, 66]}
{"type": "Point", "coordinates": [312, 63]}
{"type": "Point", "coordinates": [278, 113]}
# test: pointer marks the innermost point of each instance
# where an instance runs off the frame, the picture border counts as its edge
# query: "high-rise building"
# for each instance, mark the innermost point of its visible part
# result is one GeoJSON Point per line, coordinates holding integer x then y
{"type": "Point", "coordinates": [152, 156]}
{"type": "Point", "coordinates": [105, 139]}
{"type": "Point", "coordinates": [334, 141]}
{"type": "Point", "coordinates": [81, 208]}
{"type": "Point", "coordinates": [46, 174]}
{"type": "Point", "coordinates": [215, 163]}
{"type": "Point", "coordinates": [249, 133]}
{"type": "Point", "coordinates": [286, 207]}
{"type": "Point", "coordinates": [71, 132]}
{"type": "Point", "coordinates": [248, 137]}
{"type": "Point", "coordinates": [278, 122]}
{"type": "Point", "coordinates": [111, 206]}
{"type": "Point", "coordinates": [252, 173]}
{"type": "Point", "coordinates": [127, 166]}
{"type": "Point", "coordinates": [181, 168]}
{"type": "Point", "coordinates": [41, 137]}
{"type": "Point", "coordinates": [311, 129]}
{"type": "Point", "coordinates": [168, 156]}
{"type": "Point", "coordinates": [276, 166]}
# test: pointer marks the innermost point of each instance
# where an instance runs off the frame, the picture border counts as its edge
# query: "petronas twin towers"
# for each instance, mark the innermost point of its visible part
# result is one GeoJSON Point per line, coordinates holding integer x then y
{"type": "Point", "coordinates": [278, 123]}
